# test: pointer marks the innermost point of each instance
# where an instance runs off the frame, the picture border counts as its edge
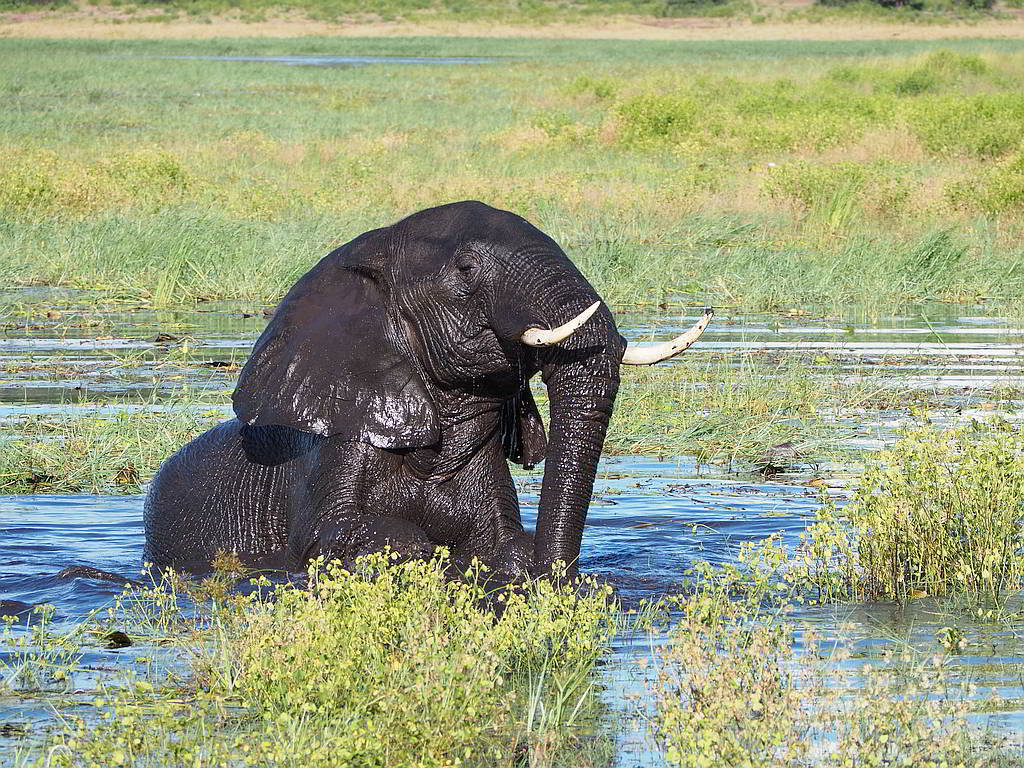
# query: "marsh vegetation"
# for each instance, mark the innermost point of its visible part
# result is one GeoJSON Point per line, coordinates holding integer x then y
{"type": "Point", "coordinates": [819, 184]}
{"type": "Point", "coordinates": [881, 174]}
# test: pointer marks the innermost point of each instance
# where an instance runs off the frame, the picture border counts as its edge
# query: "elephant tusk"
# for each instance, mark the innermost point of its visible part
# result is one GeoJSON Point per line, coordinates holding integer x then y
{"type": "Point", "coordinates": [655, 353]}
{"type": "Point", "coordinates": [542, 337]}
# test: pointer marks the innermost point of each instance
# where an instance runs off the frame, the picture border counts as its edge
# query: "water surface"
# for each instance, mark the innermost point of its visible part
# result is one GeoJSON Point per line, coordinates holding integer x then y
{"type": "Point", "coordinates": [651, 520]}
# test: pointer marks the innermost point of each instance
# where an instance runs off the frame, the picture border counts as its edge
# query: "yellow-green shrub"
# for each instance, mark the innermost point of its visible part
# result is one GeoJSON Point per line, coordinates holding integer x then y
{"type": "Point", "coordinates": [996, 189]}
{"type": "Point", "coordinates": [410, 667]}
{"type": "Point", "coordinates": [879, 187]}
{"type": "Point", "coordinates": [981, 125]}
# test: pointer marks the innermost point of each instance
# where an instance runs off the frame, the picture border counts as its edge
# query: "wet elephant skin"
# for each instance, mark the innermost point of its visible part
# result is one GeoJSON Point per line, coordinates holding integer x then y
{"type": "Point", "coordinates": [385, 399]}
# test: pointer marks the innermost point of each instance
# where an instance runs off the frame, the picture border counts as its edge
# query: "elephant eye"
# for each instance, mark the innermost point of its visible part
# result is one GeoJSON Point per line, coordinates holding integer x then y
{"type": "Point", "coordinates": [468, 266]}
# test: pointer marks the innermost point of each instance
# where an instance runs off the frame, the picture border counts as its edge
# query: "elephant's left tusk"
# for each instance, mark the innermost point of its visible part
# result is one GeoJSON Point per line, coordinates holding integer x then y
{"type": "Point", "coordinates": [541, 337]}
{"type": "Point", "coordinates": [655, 353]}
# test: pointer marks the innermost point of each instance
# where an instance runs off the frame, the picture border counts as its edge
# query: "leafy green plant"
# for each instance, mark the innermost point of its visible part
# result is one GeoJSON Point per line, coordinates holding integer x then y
{"type": "Point", "coordinates": [940, 514]}
{"type": "Point", "coordinates": [732, 690]}
{"type": "Point", "coordinates": [652, 117]}
{"type": "Point", "coordinates": [388, 665]}
{"type": "Point", "coordinates": [980, 125]}
{"type": "Point", "coordinates": [997, 189]}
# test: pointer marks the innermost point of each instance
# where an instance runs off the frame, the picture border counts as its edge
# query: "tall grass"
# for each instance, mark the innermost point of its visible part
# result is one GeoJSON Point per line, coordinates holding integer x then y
{"type": "Point", "coordinates": [96, 452]}
{"type": "Point", "coordinates": [752, 175]}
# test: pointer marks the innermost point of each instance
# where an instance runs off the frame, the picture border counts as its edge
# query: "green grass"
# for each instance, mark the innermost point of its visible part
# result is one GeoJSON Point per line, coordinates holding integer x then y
{"type": "Point", "coordinates": [392, 665]}
{"type": "Point", "coordinates": [760, 175]}
{"type": "Point", "coordinates": [96, 452]}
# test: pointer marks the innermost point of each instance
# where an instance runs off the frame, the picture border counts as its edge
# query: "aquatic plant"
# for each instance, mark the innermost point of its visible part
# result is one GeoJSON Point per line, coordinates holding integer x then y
{"type": "Point", "coordinates": [390, 665]}
{"type": "Point", "coordinates": [937, 513]}
{"type": "Point", "coordinates": [735, 688]}
{"type": "Point", "coordinates": [940, 513]}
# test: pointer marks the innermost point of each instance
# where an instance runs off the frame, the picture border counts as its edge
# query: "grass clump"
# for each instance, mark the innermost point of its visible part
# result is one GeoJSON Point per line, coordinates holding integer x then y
{"type": "Point", "coordinates": [95, 453]}
{"type": "Point", "coordinates": [941, 513]}
{"type": "Point", "coordinates": [731, 684]}
{"type": "Point", "coordinates": [390, 665]}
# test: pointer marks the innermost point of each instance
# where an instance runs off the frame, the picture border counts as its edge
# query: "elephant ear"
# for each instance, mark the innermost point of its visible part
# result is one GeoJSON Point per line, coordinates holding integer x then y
{"type": "Point", "coordinates": [332, 362]}
{"type": "Point", "coordinates": [522, 429]}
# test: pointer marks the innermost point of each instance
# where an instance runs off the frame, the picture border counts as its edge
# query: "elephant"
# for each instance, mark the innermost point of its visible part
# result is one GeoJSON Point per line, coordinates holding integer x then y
{"type": "Point", "coordinates": [388, 394]}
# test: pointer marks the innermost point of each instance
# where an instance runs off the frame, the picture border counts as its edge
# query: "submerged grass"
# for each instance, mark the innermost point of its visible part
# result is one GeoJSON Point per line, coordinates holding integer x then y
{"type": "Point", "coordinates": [97, 452]}
{"type": "Point", "coordinates": [741, 686]}
{"type": "Point", "coordinates": [744, 411]}
{"type": "Point", "coordinates": [738, 411]}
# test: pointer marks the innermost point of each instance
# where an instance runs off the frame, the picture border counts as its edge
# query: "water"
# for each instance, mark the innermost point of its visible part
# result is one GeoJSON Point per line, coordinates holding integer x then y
{"type": "Point", "coordinates": [651, 519]}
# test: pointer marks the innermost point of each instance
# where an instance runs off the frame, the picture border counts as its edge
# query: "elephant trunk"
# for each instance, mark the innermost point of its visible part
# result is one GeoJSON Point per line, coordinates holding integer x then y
{"type": "Point", "coordinates": [581, 396]}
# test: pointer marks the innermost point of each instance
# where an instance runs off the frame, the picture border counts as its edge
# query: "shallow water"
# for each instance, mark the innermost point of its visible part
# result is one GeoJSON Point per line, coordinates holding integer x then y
{"type": "Point", "coordinates": [651, 520]}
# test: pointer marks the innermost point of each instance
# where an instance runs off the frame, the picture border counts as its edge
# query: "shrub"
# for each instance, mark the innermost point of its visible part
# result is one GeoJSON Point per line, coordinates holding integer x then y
{"type": "Point", "coordinates": [393, 665]}
{"type": "Point", "coordinates": [412, 668]}
{"type": "Point", "coordinates": [656, 117]}
{"type": "Point", "coordinates": [983, 125]}
{"type": "Point", "coordinates": [689, 7]}
{"type": "Point", "coordinates": [25, 189]}
{"type": "Point", "coordinates": [147, 170]}
{"type": "Point", "coordinates": [598, 87]}
{"type": "Point", "coordinates": [733, 690]}
{"type": "Point", "coordinates": [940, 513]}
{"type": "Point", "coordinates": [827, 186]}
{"type": "Point", "coordinates": [996, 189]}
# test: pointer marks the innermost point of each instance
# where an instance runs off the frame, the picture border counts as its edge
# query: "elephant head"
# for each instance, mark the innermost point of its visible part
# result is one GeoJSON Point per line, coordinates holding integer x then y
{"type": "Point", "coordinates": [443, 317]}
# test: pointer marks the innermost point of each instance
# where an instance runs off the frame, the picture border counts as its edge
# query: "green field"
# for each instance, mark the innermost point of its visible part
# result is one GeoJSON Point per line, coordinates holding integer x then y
{"type": "Point", "coordinates": [758, 175]}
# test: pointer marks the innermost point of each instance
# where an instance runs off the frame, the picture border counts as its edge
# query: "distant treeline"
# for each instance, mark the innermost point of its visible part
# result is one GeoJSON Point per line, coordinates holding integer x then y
{"type": "Point", "coordinates": [505, 9]}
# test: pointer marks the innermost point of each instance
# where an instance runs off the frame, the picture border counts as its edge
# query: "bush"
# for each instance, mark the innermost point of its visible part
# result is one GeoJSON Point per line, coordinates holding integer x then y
{"type": "Point", "coordinates": [818, 186]}
{"type": "Point", "coordinates": [941, 513]}
{"type": "Point", "coordinates": [916, 5]}
{"type": "Point", "coordinates": [733, 692]}
{"type": "Point", "coordinates": [25, 189]}
{"type": "Point", "coordinates": [653, 117]}
{"type": "Point", "coordinates": [996, 189]}
{"type": "Point", "coordinates": [983, 125]}
{"type": "Point", "coordinates": [393, 666]}
{"type": "Point", "coordinates": [410, 667]}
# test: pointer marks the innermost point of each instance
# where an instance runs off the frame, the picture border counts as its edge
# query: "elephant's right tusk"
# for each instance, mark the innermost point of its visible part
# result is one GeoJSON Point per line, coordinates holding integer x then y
{"type": "Point", "coordinates": [655, 353]}
{"type": "Point", "coordinates": [541, 337]}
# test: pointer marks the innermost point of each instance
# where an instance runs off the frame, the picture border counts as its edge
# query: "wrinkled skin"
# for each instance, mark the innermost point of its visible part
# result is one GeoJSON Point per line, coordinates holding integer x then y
{"type": "Point", "coordinates": [387, 395]}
